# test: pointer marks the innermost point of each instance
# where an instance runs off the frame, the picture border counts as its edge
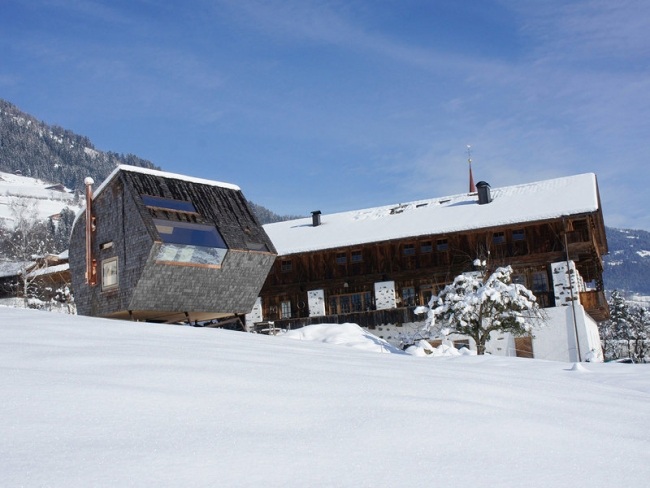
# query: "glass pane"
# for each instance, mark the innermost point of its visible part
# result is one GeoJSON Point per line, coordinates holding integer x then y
{"type": "Point", "coordinates": [179, 253]}
{"type": "Point", "coordinates": [189, 234]}
{"type": "Point", "coordinates": [345, 304]}
{"type": "Point", "coordinates": [168, 203]}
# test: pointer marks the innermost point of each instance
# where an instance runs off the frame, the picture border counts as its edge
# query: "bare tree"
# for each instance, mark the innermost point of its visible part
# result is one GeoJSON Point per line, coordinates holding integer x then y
{"type": "Point", "coordinates": [28, 240]}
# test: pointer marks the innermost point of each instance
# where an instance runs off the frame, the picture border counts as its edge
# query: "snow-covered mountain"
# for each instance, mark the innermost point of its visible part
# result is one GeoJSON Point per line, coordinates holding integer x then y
{"type": "Point", "coordinates": [627, 266]}
{"type": "Point", "coordinates": [52, 153]}
{"type": "Point", "coordinates": [45, 198]}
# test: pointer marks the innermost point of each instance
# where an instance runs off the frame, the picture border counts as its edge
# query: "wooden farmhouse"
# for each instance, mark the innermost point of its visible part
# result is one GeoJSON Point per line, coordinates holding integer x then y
{"type": "Point", "coordinates": [373, 267]}
{"type": "Point", "coordinates": [161, 247]}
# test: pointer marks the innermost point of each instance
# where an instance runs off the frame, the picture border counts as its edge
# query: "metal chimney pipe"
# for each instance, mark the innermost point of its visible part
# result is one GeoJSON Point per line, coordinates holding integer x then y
{"type": "Point", "coordinates": [91, 271]}
{"type": "Point", "coordinates": [315, 218]}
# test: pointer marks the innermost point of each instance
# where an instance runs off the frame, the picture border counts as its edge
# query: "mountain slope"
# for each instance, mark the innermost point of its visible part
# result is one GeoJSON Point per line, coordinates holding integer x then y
{"type": "Point", "coordinates": [627, 267]}
{"type": "Point", "coordinates": [58, 155]}
{"type": "Point", "coordinates": [53, 153]}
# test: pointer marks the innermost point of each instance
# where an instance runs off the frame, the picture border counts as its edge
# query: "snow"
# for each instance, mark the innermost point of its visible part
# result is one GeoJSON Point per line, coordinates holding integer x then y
{"type": "Point", "coordinates": [164, 174]}
{"type": "Point", "coordinates": [510, 205]}
{"type": "Point", "coordinates": [350, 335]}
{"type": "Point", "coordinates": [643, 254]}
{"type": "Point", "coordinates": [94, 402]}
{"type": "Point", "coordinates": [47, 201]}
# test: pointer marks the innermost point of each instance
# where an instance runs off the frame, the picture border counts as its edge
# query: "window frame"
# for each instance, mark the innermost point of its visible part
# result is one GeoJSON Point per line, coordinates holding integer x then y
{"type": "Point", "coordinates": [111, 262]}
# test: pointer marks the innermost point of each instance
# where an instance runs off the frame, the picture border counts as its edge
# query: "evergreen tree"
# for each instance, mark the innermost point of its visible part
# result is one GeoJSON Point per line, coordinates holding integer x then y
{"type": "Point", "coordinates": [476, 305]}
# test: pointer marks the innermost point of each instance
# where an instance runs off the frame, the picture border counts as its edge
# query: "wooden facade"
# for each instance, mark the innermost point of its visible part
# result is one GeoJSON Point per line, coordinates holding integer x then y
{"type": "Point", "coordinates": [418, 266]}
{"type": "Point", "coordinates": [421, 266]}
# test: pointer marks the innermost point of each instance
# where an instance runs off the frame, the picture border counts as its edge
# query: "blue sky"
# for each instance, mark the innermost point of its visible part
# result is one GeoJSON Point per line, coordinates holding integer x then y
{"type": "Point", "coordinates": [338, 105]}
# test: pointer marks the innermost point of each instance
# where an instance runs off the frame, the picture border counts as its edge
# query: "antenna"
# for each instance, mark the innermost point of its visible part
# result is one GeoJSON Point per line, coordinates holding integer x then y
{"type": "Point", "coordinates": [472, 186]}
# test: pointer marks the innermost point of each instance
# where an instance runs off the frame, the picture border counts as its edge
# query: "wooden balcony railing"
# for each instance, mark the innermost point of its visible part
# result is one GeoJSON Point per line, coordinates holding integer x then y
{"type": "Point", "coordinates": [595, 304]}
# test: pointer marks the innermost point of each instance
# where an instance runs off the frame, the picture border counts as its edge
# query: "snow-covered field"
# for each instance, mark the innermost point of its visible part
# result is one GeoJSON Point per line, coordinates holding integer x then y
{"type": "Point", "coordinates": [33, 192]}
{"type": "Point", "coordinates": [91, 402]}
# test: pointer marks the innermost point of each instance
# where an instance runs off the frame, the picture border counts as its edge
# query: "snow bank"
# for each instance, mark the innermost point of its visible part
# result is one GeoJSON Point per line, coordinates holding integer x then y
{"type": "Point", "coordinates": [91, 402]}
{"type": "Point", "coordinates": [350, 335]}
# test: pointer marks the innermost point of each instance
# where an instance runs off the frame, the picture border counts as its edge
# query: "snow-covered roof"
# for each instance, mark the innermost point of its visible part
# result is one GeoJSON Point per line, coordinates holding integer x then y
{"type": "Point", "coordinates": [11, 268]}
{"type": "Point", "coordinates": [510, 205]}
{"type": "Point", "coordinates": [59, 268]}
{"type": "Point", "coordinates": [164, 174]}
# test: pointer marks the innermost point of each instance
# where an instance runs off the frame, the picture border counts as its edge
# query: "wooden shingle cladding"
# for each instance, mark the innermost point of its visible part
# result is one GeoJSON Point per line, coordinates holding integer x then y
{"type": "Point", "coordinates": [149, 289]}
{"type": "Point", "coordinates": [420, 265]}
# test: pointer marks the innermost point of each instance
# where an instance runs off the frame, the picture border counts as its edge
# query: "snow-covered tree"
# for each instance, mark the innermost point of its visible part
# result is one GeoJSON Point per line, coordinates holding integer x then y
{"type": "Point", "coordinates": [627, 332]}
{"type": "Point", "coordinates": [476, 306]}
{"type": "Point", "coordinates": [28, 240]}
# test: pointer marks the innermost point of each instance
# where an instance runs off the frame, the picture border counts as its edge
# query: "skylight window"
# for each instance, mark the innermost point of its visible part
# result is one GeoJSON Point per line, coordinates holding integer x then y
{"type": "Point", "coordinates": [168, 204]}
{"type": "Point", "coordinates": [186, 237]}
{"type": "Point", "coordinates": [188, 233]}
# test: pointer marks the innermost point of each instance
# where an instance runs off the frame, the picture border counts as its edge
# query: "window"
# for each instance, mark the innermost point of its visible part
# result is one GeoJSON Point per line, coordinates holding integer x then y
{"type": "Point", "coordinates": [341, 258]}
{"type": "Point", "coordinates": [187, 238]}
{"type": "Point", "coordinates": [356, 257]}
{"type": "Point", "coordinates": [286, 265]}
{"type": "Point", "coordinates": [168, 204]}
{"type": "Point", "coordinates": [459, 344]}
{"type": "Point", "coordinates": [426, 292]}
{"type": "Point", "coordinates": [518, 235]}
{"type": "Point", "coordinates": [442, 245]}
{"type": "Point", "coordinates": [540, 281]}
{"type": "Point", "coordinates": [353, 302]}
{"type": "Point", "coordinates": [285, 310]}
{"type": "Point", "coordinates": [408, 296]}
{"type": "Point", "coordinates": [109, 274]}
{"type": "Point", "coordinates": [519, 279]}
{"type": "Point", "coordinates": [499, 238]}
{"type": "Point", "coordinates": [408, 250]}
{"type": "Point", "coordinates": [426, 247]}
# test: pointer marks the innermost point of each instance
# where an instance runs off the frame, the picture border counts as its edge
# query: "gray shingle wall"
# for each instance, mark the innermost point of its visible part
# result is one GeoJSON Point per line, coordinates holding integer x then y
{"type": "Point", "coordinates": [231, 289]}
{"type": "Point", "coordinates": [118, 220]}
{"type": "Point", "coordinates": [123, 219]}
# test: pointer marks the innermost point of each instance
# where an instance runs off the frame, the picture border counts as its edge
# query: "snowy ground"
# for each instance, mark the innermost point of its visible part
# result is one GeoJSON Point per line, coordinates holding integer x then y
{"type": "Point", "coordinates": [33, 192]}
{"type": "Point", "coordinates": [90, 402]}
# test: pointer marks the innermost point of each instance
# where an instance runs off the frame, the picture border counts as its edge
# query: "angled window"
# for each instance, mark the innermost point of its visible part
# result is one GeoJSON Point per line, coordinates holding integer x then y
{"type": "Point", "coordinates": [341, 258]}
{"type": "Point", "coordinates": [356, 257]}
{"type": "Point", "coordinates": [187, 238]}
{"type": "Point", "coordinates": [426, 247]}
{"type": "Point", "coordinates": [408, 250]}
{"type": "Point", "coordinates": [109, 274]}
{"type": "Point", "coordinates": [286, 265]}
{"type": "Point", "coordinates": [499, 238]}
{"type": "Point", "coordinates": [442, 245]}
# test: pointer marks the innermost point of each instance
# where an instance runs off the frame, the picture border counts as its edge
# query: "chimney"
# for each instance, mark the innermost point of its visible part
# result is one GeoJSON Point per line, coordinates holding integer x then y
{"type": "Point", "coordinates": [315, 218]}
{"type": "Point", "coordinates": [91, 264]}
{"type": "Point", "coordinates": [483, 193]}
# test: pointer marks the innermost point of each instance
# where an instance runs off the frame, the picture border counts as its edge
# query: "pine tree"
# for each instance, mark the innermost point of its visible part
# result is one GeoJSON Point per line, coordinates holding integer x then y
{"type": "Point", "coordinates": [475, 305]}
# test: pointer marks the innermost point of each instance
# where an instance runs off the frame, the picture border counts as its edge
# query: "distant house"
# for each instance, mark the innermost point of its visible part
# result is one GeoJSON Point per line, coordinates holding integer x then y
{"type": "Point", "coordinates": [374, 266]}
{"type": "Point", "coordinates": [161, 247]}
{"type": "Point", "coordinates": [45, 278]}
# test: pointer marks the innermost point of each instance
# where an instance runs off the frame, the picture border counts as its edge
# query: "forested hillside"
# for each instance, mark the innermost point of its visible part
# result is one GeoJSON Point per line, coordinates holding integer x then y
{"type": "Point", "coordinates": [53, 153]}
{"type": "Point", "coordinates": [58, 155]}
